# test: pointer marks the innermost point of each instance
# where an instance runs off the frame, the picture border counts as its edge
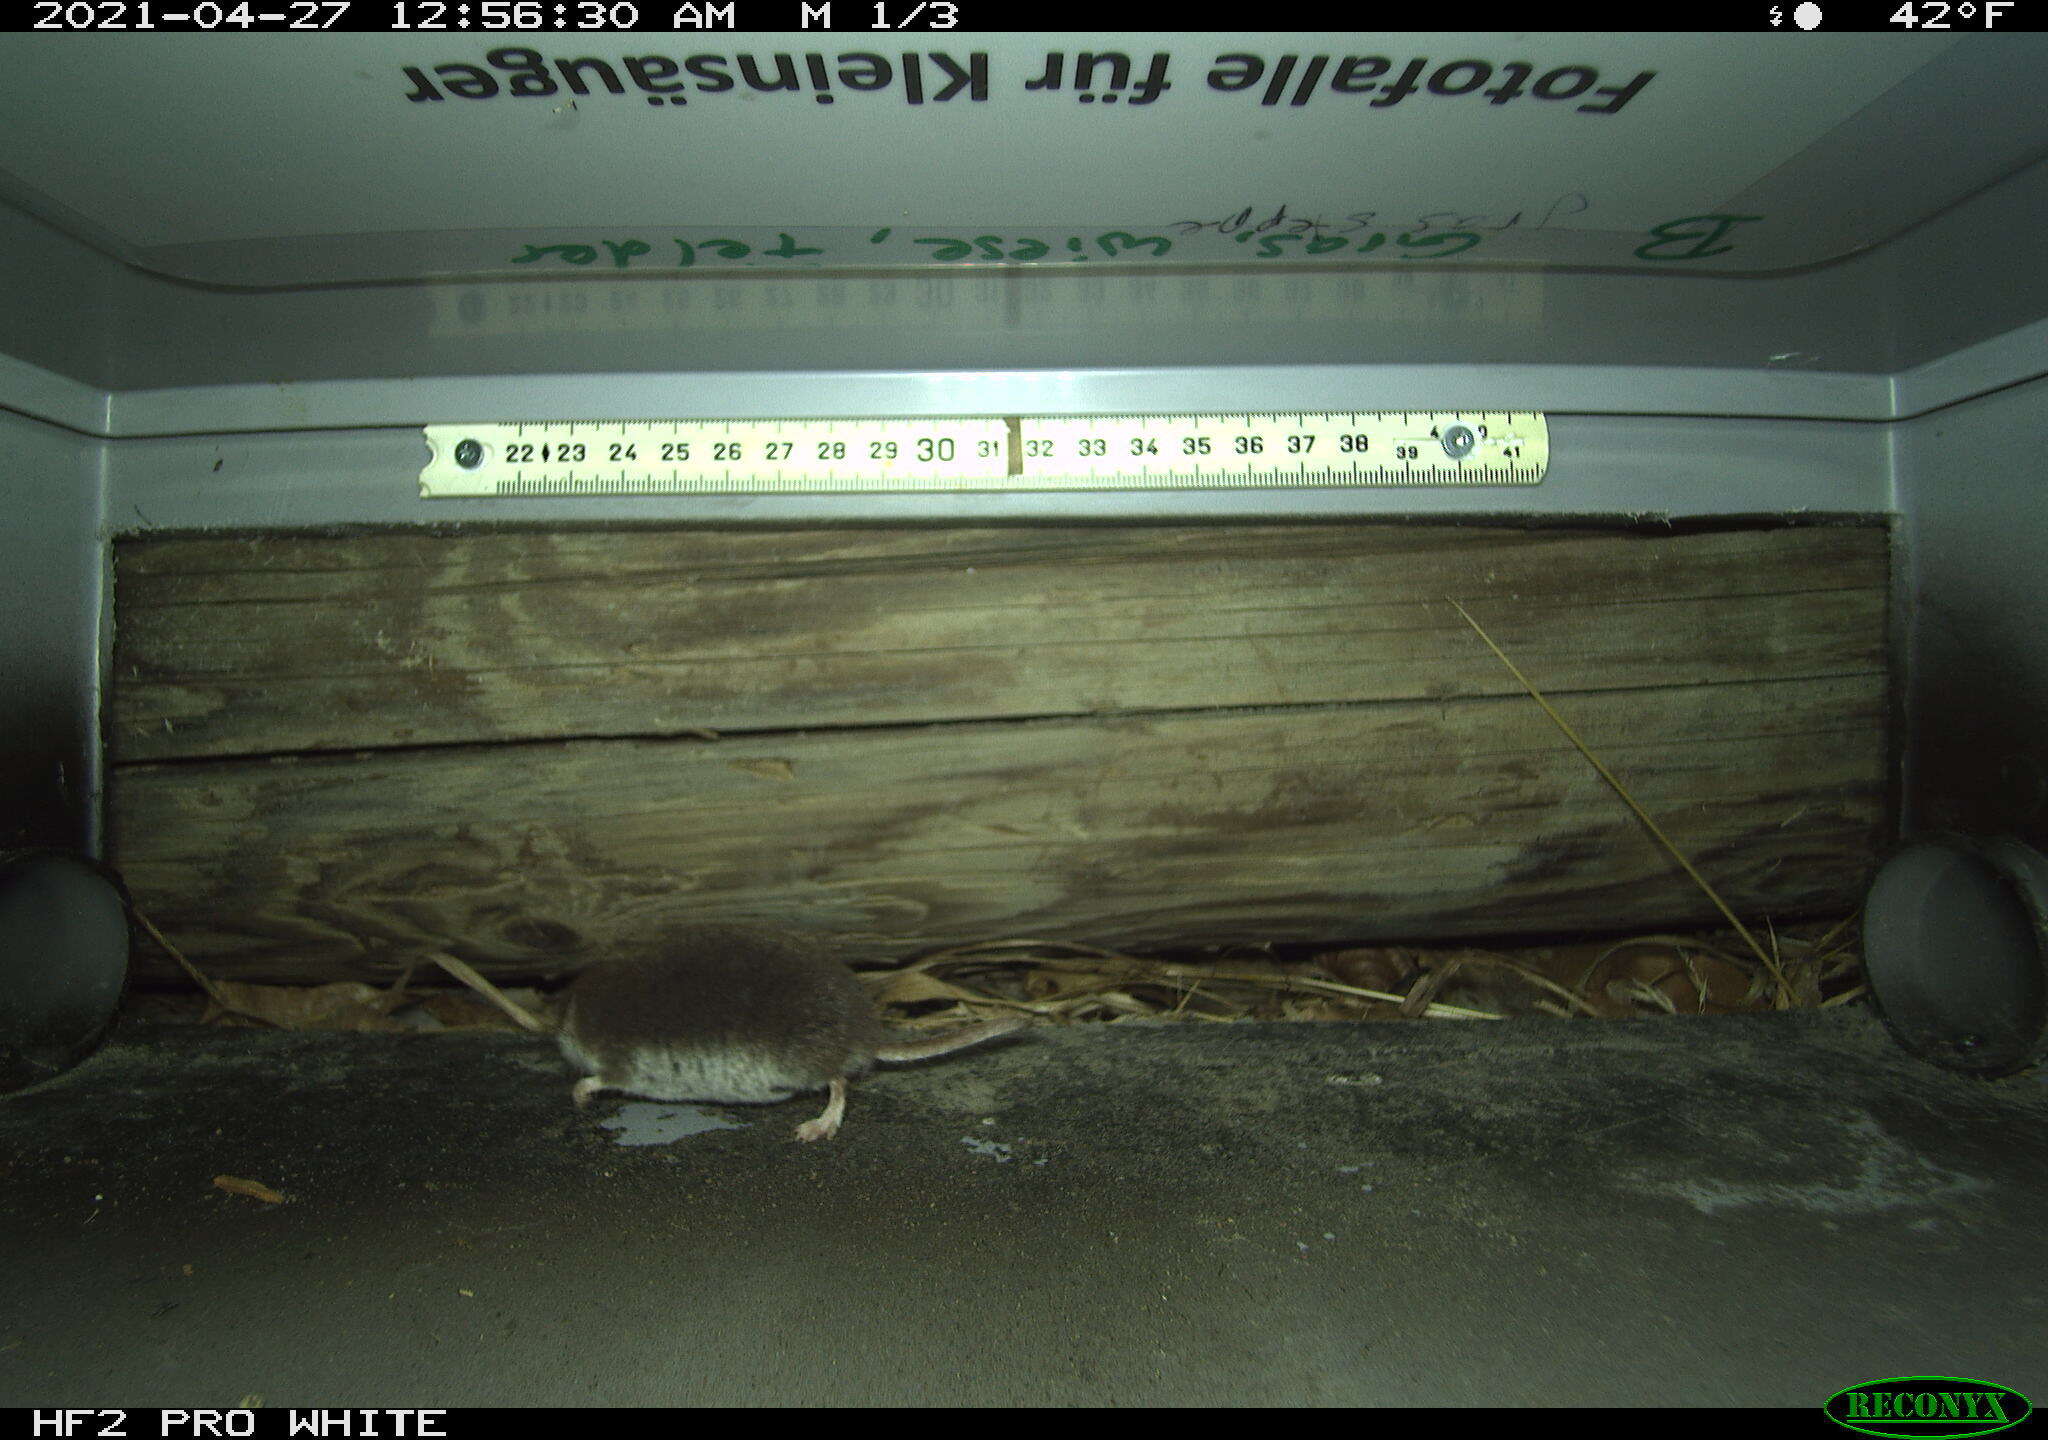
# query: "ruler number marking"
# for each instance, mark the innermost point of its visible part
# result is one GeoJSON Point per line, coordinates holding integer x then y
{"type": "Point", "coordinates": [1151, 451]}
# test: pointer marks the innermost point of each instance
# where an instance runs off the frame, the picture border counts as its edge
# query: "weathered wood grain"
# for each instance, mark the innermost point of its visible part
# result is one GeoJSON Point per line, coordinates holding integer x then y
{"type": "Point", "coordinates": [1401, 819]}
{"type": "Point", "coordinates": [292, 645]}
{"type": "Point", "coordinates": [1140, 737]}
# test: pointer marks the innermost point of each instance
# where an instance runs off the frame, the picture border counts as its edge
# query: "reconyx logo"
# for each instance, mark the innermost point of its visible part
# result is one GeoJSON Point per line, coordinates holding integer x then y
{"type": "Point", "coordinates": [1927, 1405]}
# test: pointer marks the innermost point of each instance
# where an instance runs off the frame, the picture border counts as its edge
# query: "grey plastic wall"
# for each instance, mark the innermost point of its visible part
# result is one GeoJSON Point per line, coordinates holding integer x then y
{"type": "Point", "coordinates": [53, 633]}
{"type": "Point", "coordinates": [1973, 535]}
{"type": "Point", "coordinates": [1949, 309]}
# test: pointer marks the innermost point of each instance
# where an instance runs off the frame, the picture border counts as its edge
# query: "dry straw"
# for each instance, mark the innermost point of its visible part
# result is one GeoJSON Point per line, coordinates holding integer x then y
{"type": "Point", "coordinates": [1770, 961]}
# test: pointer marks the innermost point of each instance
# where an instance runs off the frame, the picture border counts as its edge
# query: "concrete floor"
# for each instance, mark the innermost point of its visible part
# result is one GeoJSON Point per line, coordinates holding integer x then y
{"type": "Point", "coordinates": [1721, 1211]}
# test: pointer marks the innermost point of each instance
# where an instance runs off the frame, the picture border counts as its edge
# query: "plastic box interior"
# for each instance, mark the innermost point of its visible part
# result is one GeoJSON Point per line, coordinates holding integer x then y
{"type": "Point", "coordinates": [238, 372]}
{"type": "Point", "coordinates": [243, 274]}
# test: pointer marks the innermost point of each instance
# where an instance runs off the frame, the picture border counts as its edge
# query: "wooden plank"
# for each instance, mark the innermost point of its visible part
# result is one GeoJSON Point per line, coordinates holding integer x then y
{"type": "Point", "coordinates": [294, 645]}
{"type": "Point", "coordinates": [1145, 736]}
{"type": "Point", "coordinates": [1395, 819]}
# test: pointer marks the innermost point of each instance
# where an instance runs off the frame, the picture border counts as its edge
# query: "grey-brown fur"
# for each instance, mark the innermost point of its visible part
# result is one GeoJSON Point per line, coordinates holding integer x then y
{"type": "Point", "coordinates": [736, 1014]}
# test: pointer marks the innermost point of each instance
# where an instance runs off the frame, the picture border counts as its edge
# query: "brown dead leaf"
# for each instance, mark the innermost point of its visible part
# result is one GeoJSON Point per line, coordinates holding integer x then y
{"type": "Point", "coordinates": [1376, 967]}
{"type": "Point", "coordinates": [1693, 980]}
{"type": "Point", "coordinates": [910, 987]}
{"type": "Point", "coordinates": [343, 1005]}
{"type": "Point", "coordinates": [463, 1011]}
{"type": "Point", "coordinates": [254, 1189]}
{"type": "Point", "coordinates": [1049, 983]}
